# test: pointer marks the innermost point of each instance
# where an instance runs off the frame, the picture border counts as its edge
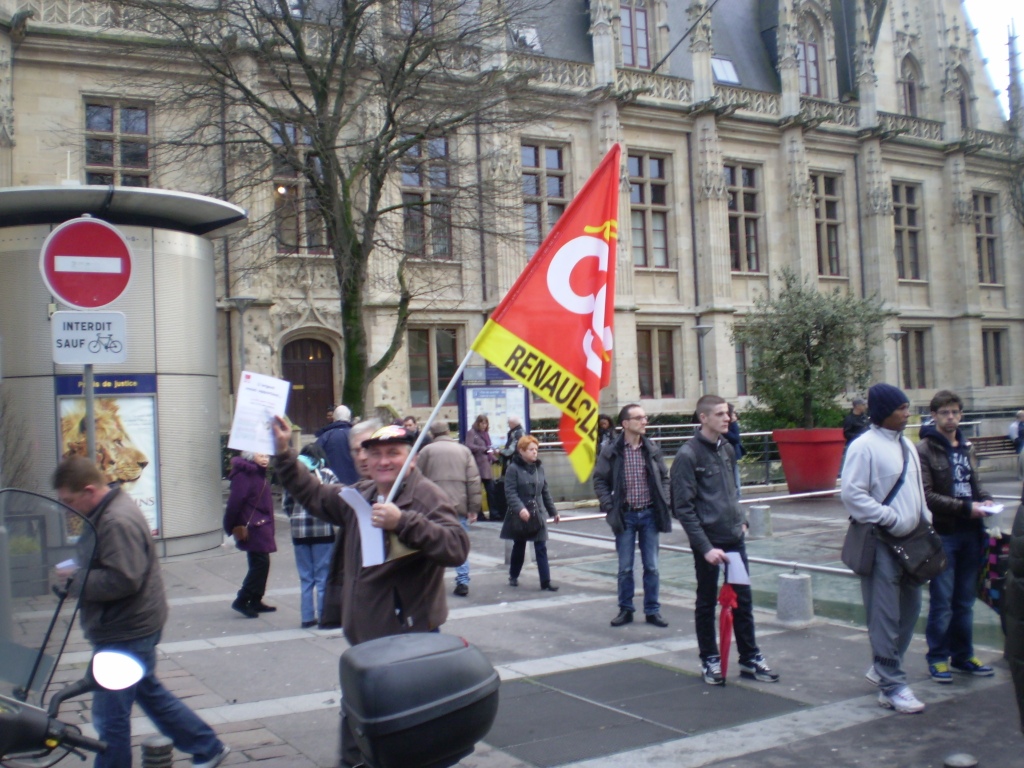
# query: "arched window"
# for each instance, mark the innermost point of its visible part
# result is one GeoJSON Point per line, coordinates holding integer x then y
{"type": "Point", "coordinates": [910, 78]}
{"type": "Point", "coordinates": [808, 55]}
{"type": "Point", "coordinates": [636, 47]}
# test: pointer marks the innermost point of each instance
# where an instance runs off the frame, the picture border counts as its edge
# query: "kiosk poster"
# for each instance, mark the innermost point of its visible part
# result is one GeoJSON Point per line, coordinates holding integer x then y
{"type": "Point", "coordinates": [125, 416]}
{"type": "Point", "coordinates": [497, 404]}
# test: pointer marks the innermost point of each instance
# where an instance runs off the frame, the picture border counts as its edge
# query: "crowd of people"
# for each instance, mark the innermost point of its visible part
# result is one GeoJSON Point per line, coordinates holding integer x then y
{"type": "Point", "coordinates": [889, 484]}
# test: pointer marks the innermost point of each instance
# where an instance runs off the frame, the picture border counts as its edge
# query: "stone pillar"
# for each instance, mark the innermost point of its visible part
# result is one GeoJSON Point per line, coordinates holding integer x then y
{"type": "Point", "coordinates": [958, 255]}
{"type": "Point", "coordinates": [789, 72]}
{"type": "Point", "coordinates": [800, 198]}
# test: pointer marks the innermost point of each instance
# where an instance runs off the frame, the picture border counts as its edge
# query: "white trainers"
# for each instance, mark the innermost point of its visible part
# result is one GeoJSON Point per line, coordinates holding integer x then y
{"type": "Point", "coordinates": [902, 700]}
{"type": "Point", "coordinates": [872, 676]}
{"type": "Point", "coordinates": [215, 760]}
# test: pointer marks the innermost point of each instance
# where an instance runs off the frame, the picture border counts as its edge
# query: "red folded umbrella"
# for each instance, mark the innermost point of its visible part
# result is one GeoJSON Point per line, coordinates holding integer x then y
{"type": "Point", "coordinates": [726, 599]}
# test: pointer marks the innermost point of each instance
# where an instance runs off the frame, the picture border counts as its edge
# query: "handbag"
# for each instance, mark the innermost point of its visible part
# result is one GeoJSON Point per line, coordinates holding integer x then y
{"type": "Point", "coordinates": [919, 553]}
{"type": "Point", "coordinates": [859, 545]}
{"type": "Point", "coordinates": [527, 529]}
{"type": "Point", "coordinates": [992, 576]}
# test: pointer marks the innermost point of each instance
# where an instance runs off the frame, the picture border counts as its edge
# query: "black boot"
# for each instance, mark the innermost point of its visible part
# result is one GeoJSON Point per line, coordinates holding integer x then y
{"type": "Point", "coordinates": [244, 607]}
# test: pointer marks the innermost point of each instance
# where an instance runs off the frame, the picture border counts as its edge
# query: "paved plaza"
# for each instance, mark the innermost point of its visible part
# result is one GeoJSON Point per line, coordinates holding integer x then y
{"type": "Point", "coordinates": [578, 692]}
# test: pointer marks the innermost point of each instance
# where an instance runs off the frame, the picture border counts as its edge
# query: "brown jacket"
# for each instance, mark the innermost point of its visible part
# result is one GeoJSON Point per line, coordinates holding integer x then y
{"type": "Point", "coordinates": [401, 595]}
{"type": "Point", "coordinates": [122, 598]}
{"type": "Point", "coordinates": [450, 465]}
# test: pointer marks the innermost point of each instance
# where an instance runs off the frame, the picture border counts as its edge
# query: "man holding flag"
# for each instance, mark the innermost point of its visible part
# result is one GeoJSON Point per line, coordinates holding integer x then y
{"type": "Point", "coordinates": [553, 330]}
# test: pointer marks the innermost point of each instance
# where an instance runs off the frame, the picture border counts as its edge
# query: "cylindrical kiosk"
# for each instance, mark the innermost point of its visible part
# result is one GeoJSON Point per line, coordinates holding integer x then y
{"type": "Point", "coordinates": [157, 429]}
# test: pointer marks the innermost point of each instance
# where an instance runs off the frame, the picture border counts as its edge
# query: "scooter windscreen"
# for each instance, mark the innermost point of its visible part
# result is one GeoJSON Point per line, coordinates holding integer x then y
{"type": "Point", "coordinates": [38, 536]}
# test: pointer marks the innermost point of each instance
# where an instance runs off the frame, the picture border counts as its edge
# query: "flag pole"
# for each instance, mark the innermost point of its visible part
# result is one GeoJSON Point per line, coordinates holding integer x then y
{"type": "Point", "coordinates": [423, 432]}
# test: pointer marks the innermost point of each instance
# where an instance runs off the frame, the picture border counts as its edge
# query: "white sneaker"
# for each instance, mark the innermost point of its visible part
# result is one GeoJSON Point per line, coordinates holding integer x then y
{"type": "Point", "coordinates": [872, 676]}
{"type": "Point", "coordinates": [215, 760]}
{"type": "Point", "coordinates": [902, 700]}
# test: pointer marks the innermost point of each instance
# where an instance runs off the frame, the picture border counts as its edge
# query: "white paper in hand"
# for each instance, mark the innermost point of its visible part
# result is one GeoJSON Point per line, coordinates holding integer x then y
{"type": "Point", "coordinates": [372, 538]}
{"type": "Point", "coordinates": [736, 571]}
{"type": "Point", "coordinates": [260, 398]}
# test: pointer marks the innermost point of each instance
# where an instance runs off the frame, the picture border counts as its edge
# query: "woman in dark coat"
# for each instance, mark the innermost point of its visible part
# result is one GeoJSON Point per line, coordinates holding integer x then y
{"type": "Point", "coordinates": [525, 487]}
{"type": "Point", "coordinates": [1013, 607]}
{"type": "Point", "coordinates": [249, 517]}
{"type": "Point", "coordinates": [605, 431]}
{"type": "Point", "coordinates": [478, 440]}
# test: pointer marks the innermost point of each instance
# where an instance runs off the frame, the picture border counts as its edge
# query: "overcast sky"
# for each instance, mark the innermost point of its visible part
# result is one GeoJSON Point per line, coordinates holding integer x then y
{"type": "Point", "coordinates": [992, 18]}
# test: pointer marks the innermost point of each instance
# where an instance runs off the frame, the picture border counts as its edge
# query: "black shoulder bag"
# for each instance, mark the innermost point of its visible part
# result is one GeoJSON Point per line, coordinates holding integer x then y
{"type": "Point", "coordinates": [919, 553]}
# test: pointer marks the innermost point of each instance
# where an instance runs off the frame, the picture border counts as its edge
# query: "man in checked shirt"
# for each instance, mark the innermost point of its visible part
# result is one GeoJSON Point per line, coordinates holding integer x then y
{"type": "Point", "coordinates": [631, 483]}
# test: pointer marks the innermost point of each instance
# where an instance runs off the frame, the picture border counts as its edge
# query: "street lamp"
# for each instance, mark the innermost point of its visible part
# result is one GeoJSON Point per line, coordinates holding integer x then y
{"type": "Point", "coordinates": [896, 336]}
{"type": "Point", "coordinates": [702, 331]}
{"type": "Point", "coordinates": [241, 303]}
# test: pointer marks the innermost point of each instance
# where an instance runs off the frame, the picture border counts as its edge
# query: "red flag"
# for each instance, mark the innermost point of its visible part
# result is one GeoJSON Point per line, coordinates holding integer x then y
{"type": "Point", "coordinates": [553, 330]}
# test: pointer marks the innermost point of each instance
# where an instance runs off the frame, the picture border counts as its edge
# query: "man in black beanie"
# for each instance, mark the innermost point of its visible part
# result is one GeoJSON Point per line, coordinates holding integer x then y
{"type": "Point", "coordinates": [882, 486]}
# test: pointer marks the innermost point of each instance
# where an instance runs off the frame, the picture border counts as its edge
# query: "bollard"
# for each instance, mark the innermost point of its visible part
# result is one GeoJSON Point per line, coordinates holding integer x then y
{"type": "Point", "coordinates": [961, 760]}
{"type": "Point", "coordinates": [157, 752]}
{"type": "Point", "coordinates": [795, 606]}
{"type": "Point", "coordinates": [760, 522]}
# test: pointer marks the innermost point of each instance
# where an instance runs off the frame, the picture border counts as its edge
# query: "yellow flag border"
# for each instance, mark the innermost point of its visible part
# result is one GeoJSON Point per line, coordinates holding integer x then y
{"type": "Point", "coordinates": [496, 342]}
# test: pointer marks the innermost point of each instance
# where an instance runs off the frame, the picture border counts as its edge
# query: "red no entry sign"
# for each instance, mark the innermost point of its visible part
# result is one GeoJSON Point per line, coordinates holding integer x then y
{"type": "Point", "coordinates": [86, 263]}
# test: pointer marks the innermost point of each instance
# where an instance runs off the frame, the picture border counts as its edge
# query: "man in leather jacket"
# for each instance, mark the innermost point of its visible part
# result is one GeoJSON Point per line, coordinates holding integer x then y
{"type": "Point", "coordinates": [957, 501]}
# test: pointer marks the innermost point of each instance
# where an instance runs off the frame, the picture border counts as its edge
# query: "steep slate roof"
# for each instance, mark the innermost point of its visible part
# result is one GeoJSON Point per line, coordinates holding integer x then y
{"type": "Point", "coordinates": [736, 35]}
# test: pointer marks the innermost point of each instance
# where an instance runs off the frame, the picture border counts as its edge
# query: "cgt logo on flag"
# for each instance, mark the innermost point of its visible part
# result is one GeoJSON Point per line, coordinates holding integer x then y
{"type": "Point", "coordinates": [553, 330]}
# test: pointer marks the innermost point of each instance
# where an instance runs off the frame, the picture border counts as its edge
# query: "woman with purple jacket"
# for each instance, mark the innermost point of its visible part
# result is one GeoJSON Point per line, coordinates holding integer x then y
{"type": "Point", "coordinates": [249, 517]}
{"type": "Point", "coordinates": [478, 440]}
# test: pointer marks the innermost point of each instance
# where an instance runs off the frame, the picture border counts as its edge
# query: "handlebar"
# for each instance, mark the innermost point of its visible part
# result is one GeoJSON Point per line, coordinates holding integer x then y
{"type": "Point", "coordinates": [28, 729]}
{"type": "Point", "coordinates": [70, 736]}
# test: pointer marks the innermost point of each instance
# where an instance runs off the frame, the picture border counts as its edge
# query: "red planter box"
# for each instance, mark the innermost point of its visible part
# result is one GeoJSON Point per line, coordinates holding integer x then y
{"type": "Point", "coordinates": [811, 458]}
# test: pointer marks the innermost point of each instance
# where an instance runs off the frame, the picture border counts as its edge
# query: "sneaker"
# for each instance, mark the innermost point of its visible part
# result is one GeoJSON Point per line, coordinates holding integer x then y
{"type": "Point", "coordinates": [308, 624]}
{"type": "Point", "coordinates": [757, 669]}
{"type": "Point", "coordinates": [462, 590]}
{"type": "Point", "coordinates": [973, 666]}
{"type": "Point", "coordinates": [713, 671]}
{"type": "Point", "coordinates": [940, 672]}
{"type": "Point", "coordinates": [902, 700]}
{"type": "Point", "coordinates": [262, 607]}
{"type": "Point", "coordinates": [872, 676]}
{"type": "Point", "coordinates": [216, 760]}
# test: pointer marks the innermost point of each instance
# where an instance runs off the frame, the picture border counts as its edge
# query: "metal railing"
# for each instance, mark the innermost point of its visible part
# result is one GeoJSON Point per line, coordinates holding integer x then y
{"type": "Point", "coordinates": [794, 565]}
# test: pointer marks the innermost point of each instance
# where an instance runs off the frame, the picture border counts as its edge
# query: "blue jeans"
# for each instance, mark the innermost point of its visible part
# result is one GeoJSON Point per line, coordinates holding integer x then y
{"type": "Point", "coordinates": [949, 630]}
{"type": "Point", "coordinates": [643, 527]}
{"type": "Point", "coordinates": [313, 562]}
{"type": "Point", "coordinates": [462, 571]}
{"type": "Point", "coordinates": [112, 711]}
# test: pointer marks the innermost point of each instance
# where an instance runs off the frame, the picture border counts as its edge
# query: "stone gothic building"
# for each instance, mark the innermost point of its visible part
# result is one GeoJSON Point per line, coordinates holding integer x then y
{"type": "Point", "coordinates": [858, 143]}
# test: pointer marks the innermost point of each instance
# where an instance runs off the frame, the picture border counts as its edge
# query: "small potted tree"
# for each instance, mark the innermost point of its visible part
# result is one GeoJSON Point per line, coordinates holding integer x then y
{"type": "Point", "coordinates": [808, 348]}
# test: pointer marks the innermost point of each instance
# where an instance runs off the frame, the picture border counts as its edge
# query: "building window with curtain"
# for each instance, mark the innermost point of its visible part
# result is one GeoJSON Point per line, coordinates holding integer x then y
{"type": "Point", "coordinates": [545, 190]}
{"type": "Point", "coordinates": [994, 355]}
{"type": "Point", "coordinates": [807, 56]}
{"type": "Point", "coordinates": [744, 201]}
{"type": "Point", "coordinates": [117, 144]}
{"type": "Point", "coordinates": [656, 368]}
{"type": "Point", "coordinates": [907, 218]}
{"type": "Point", "coordinates": [914, 356]}
{"type": "Point", "coordinates": [298, 223]}
{"type": "Point", "coordinates": [636, 49]}
{"type": "Point", "coordinates": [986, 237]}
{"type": "Point", "coordinates": [433, 360]}
{"type": "Point", "coordinates": [648, 210]}
{"type": "Point", "coordinates": [827, 222]}
{"type": "Point", "coordinates": [425, 175]}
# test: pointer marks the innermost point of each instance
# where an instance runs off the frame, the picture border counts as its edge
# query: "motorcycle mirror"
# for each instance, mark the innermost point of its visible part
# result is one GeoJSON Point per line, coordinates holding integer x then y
{"type": "Point", "coordinates": [115, 670]}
